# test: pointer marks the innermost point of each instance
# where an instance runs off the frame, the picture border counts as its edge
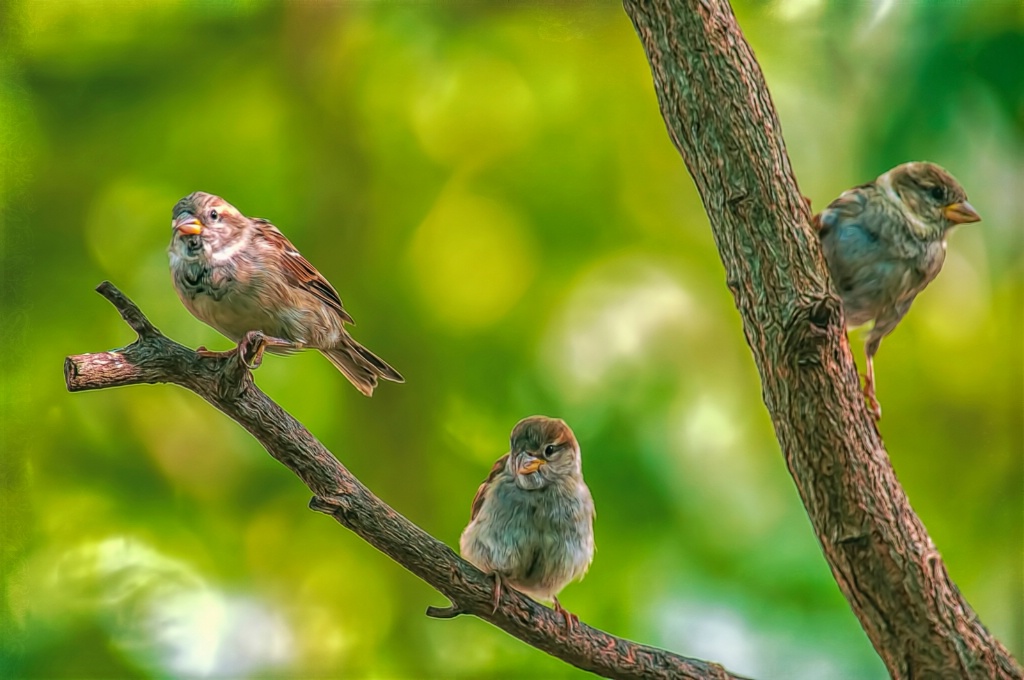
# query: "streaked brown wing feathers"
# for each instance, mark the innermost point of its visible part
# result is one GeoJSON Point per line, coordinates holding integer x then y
{"type": "Point", "coordinates": [300, 272]}
{"type": "Point", "coordinates": [481, 493]}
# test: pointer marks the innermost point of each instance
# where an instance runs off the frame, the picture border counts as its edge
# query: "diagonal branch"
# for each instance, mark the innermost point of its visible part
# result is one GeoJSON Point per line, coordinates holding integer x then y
{"type": "Point", "coordinates": [721, 118]}
{"type": "Point", "coordinates": [227, 384]}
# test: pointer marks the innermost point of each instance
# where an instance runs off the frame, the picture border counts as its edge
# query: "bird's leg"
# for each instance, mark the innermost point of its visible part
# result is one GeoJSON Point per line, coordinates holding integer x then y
{"type": "Point", "coordinates": [497, 591]}
{"type": "Point", "coordinates": [570, 618]}
{"type": "Point", "coordinates": [250, 349]}
{"type": "Point", "coordinates": [869, 389]}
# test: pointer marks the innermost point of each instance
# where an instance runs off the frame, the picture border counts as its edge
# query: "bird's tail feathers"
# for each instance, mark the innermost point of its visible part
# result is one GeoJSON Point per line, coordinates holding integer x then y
{"type": "Point", "coordinates": [361, 366]}
{"type": "Point", "coordinates": [382, 367]}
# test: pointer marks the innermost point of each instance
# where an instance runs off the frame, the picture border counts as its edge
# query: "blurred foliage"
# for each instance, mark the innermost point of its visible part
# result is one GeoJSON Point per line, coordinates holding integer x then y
{"type": "Point", "coordinates": [492, 190]}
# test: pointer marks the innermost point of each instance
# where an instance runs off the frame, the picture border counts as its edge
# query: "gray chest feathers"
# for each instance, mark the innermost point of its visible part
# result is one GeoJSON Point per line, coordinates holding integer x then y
{"type": "Point", "coordinates": [539, 540]}
{"type": "Point", "coordinates": [875, 275]}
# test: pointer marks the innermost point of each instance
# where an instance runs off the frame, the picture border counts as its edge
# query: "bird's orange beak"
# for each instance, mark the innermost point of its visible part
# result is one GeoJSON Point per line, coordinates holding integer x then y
{"type": "Point", "coordinates": [532, 466]}
{"type": "Point", "coordinates": [961, 213]}
{"type": "Point", "coordinates": [187, 224]}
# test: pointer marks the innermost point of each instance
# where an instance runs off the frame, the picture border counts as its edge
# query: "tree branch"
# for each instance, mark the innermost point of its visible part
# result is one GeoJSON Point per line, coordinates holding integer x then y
{"type": "Point", "coordinates": [721, 118]}
{"type": "Point", "coordinates": [227, 384]}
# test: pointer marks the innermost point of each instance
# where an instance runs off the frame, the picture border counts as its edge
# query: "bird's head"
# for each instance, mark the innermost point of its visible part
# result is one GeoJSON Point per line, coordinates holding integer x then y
{"type": "Point", "coordinates": [202, 219]}
{"type": "Point", "coordinates": [932, 195]}
{"type": "Point", "coordinates": [543, 451]}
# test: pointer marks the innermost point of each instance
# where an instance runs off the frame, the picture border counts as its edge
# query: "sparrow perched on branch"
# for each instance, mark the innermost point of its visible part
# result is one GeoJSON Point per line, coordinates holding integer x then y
{"type": "Point", "coordinates": [532, 523]}
{"type": "Point", "coordinates": [240, 274]}
{"type": "Point", "coordinates": [884, 242]}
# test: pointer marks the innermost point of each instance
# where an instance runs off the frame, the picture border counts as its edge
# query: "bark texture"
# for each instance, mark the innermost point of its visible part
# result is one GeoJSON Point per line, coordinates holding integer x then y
{"type": "Point", "coordinates": [227, 384]}
{"type": "Point", "coordinates": [721, 118]}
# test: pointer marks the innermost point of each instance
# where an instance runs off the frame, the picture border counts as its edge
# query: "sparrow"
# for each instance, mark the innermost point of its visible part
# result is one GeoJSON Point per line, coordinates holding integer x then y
{"type": "Point", "coordinates": [884, 242]}
{"type": "Point", "coordinates": [532, 521]}
{"type": "Point", "coordinates": [240, 274]}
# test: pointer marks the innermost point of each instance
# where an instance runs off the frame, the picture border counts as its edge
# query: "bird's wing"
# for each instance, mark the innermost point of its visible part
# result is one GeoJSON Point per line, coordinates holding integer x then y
{"type": "Point", "coordinates": [854, 225]}
{"type": "Point", "coordinates": [481, 493]}
{"type": "Point", "coordinates": [300, 272]}
{"type": "Point", "coordinates": [848, 209]}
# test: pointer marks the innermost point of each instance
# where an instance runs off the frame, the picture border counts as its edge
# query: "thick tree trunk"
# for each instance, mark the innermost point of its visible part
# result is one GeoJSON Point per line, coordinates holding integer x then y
{"type": "Point", "coordinates": [721, 118]}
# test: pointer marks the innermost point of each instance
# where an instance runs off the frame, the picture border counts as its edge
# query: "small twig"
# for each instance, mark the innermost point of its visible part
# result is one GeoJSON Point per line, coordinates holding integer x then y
{"type": "Point", "coordinates": [224, 381]}
{"type": "Point", "coordinates": [130, 312]}
{"type": "Point", "coordinates": [444, 612]}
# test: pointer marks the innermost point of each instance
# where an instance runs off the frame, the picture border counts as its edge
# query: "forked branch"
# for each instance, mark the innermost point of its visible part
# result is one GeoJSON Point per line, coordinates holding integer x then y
{"type": "Point", "coordinates": [227, 383]}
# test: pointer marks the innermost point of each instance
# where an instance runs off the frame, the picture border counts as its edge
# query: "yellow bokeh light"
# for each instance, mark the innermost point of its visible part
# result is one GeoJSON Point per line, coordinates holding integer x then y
{"type": "Point", "coordinates": [471, 260]}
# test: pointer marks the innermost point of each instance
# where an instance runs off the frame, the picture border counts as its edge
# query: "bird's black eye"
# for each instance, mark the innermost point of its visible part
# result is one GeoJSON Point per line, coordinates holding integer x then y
{"type": "Point", "coordinates": [214, 215]}
{"type": "Point", "coordinates": [550, 449]}
{"type": "Point", "coordinates": [937, 193]}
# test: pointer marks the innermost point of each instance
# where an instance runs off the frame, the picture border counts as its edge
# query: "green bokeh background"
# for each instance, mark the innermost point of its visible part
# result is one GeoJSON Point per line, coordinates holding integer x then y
{"type": "Point", "coordinates": [492, 190]}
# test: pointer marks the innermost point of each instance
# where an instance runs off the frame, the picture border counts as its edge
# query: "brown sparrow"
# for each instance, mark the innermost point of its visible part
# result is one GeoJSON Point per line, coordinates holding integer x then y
{"type": "Point", "coordinates": [240, 274]}
{"type": "Point", "coordinates": [532, 523]}
{"type": "Point", "coordinates": [884, 242]}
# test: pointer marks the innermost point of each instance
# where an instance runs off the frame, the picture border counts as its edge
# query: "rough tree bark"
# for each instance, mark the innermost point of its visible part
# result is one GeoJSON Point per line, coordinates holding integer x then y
{"type": "Point", "coordinates": [721, 118]}
{"type": "Point", "coordinates": [227, 384]}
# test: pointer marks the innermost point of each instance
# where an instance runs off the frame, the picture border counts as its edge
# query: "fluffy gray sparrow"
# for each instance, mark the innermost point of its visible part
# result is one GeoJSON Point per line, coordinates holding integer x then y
{"type": "Point", "coordinates": [240, 274]}
{"type": "Point", "coordinates": [532, 523]}
{"type": "Point", "coordinates": [884, 242]}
